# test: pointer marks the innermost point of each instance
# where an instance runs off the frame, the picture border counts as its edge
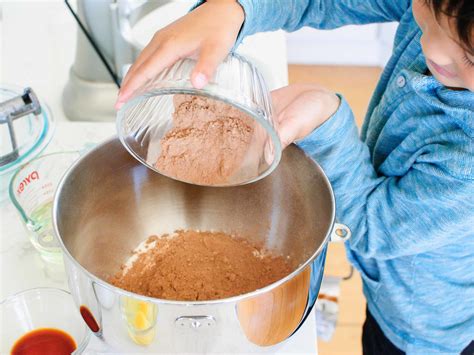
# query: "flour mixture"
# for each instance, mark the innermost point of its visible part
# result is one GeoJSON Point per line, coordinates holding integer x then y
{"type": "Point", "coordinates": [208, 142]}
{"type": "Point", "coordinates": [198, 266]}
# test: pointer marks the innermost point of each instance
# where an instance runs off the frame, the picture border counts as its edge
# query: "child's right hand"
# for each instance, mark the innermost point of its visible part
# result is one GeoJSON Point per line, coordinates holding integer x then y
{"type": "Point", "coordinates": [208, 32]}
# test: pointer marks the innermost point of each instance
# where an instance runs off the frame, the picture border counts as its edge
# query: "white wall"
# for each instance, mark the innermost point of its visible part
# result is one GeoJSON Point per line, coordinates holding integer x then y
{"type": "Point", "coordinates": [37, 44]}
{"type": "Point", "coordinates": [350, 45]}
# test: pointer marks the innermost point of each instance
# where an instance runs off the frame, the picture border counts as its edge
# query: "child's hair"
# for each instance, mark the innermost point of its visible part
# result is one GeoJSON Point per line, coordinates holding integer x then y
{"type": "Point", "coordinates": [462, 12]}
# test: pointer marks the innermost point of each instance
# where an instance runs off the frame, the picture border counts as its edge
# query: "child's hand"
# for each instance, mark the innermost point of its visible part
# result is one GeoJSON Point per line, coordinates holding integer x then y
{"type": "Point", "coordinates": [208, 32]}
{"type": "Point", "coordinates": [301, 108]}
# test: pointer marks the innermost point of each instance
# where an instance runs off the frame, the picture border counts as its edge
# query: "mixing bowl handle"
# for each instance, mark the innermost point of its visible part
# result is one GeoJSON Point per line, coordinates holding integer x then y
{"type": "Point", "coordinates": [340, 233]}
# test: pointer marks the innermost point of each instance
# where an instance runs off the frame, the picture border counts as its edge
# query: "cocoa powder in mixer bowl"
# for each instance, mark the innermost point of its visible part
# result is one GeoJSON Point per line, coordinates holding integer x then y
{"type": "Point", "coordinates": [198, 266]}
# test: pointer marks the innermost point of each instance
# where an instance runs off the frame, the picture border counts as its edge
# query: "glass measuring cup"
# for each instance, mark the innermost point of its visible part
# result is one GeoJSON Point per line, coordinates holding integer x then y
{"type": "Point", "coordinates": [32, 190]}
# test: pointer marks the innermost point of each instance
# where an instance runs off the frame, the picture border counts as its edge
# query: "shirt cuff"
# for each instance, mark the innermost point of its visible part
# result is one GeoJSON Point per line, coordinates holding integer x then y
{"type": "Point", "coordinates": [336, 127]}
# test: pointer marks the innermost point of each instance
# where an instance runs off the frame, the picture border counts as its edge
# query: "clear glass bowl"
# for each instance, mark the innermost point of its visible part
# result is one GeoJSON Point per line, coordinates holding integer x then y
{"type": "Point", "coordinates": [41, 308]}
{"type": "Point", "coordinates": [221, 135]}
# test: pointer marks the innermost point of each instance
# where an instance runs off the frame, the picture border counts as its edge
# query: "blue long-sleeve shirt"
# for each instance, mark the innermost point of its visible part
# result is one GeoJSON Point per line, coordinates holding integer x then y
{"type": "Point", "coordinates": [405, 186]}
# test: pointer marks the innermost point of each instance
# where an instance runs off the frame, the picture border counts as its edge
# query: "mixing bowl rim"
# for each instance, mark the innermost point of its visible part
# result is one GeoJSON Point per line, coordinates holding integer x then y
{"type": "Point", "coordinates": [176, 90]}
{"type": "Point", "coordinates": [232, 299]}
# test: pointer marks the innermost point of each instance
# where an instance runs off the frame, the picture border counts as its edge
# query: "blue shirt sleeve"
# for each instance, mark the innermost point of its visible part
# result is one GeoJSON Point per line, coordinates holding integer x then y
{"type": "Point", "coordinates": [392, 216]}
{"type": "Point", "coordinates": [290, 15]}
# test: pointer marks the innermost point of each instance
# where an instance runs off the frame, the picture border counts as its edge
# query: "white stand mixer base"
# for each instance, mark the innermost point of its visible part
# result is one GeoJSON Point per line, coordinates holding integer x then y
{"type": "Point", "coordinates": [85, 100]}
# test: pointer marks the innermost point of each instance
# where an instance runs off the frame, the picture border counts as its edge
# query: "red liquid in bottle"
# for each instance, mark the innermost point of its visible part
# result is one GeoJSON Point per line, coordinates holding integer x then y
{"type": "Point", "coordinates": [44, 341]}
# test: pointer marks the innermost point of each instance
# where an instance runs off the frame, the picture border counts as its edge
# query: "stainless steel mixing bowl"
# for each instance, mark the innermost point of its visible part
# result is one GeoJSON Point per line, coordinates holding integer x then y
{"type": "Point", "coordinates": [108, 203]}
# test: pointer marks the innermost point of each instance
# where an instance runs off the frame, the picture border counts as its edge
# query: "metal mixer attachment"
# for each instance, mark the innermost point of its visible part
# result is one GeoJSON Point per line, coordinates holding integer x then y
{"type": "Point", "coordinates": [12, 109]}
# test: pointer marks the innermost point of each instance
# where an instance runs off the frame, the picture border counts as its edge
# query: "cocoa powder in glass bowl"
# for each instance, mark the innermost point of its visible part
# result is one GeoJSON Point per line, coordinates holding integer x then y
{"type": "Point", "coordinates": [221, 135]}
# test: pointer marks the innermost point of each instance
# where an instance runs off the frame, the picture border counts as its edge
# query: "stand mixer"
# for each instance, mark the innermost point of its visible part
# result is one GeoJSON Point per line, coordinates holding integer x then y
{"type": "Point", "coordinates": [91, 89]}
{"type": "Point", "coordinates": [111, 35]}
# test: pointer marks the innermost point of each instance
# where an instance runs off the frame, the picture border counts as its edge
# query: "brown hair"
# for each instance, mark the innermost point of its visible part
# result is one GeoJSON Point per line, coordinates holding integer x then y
{"type": "Point", "coordinates": [462, 12]}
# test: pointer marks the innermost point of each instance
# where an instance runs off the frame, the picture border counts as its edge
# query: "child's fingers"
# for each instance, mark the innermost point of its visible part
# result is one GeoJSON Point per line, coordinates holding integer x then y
{"type": "Point", "coordinates": [281, 99]}
{"type": "Point", "coordinates": [311, 108]}
{"type": "Point", "coordinates": [290, 118]}
{"type": "Point", "coordinates": [211, 55]}
{"type": "Point", "coordinates": [284, 96]}
{"type": "Point", "coordinates": [162, 58]}
{"type": "Point", "coordinates": [288, 130]}
{"type": "Point", "coordinates": [142, 57]}
{"type": "Point", "coordinates": [298, 117]}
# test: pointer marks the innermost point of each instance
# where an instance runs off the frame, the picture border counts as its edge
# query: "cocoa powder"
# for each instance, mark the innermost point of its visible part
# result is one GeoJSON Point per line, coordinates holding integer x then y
{"type": "Point", "coordinates": [198, 266]}
{"type": "Point", "coordinates": [208, 142]}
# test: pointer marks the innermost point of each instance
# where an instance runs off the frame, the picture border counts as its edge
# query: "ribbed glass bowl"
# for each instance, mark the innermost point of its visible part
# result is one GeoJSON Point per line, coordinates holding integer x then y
{"type": "Point", "coordinates": [229, 136]}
